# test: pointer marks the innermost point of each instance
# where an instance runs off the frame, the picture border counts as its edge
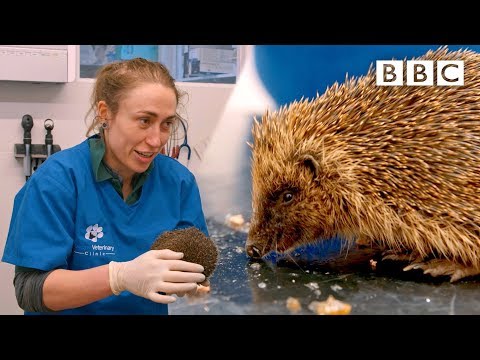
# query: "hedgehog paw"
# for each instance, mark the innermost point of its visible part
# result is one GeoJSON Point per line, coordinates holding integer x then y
{"type": "Point", "coordinates": [443, 267]}
{"type": "Point", "coordinates": [394, 256]}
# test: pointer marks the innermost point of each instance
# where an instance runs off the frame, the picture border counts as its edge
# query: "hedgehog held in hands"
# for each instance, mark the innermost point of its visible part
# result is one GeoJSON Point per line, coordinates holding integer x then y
{"type": "Point", "coordinates": [193, 243]}
{"type": "Point", "coordinates": [395, 166]}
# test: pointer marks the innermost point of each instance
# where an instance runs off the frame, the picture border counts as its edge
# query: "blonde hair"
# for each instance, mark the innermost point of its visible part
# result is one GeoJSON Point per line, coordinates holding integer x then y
{"type": "Point", "coordinates": [116, 79]}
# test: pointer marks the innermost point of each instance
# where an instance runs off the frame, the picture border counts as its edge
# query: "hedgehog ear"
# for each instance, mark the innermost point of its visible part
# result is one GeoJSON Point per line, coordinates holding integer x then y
{"type": "Point", "coordinates": [312, 164]}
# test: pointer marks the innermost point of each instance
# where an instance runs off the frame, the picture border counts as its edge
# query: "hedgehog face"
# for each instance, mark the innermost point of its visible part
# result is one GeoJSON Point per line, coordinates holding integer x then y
{"type": "Point", "coordinates": [286, 208]}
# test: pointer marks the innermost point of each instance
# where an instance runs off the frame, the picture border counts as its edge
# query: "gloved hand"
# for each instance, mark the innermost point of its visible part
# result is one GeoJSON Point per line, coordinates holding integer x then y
{"type": "Point", "coordinates": [153, 272]}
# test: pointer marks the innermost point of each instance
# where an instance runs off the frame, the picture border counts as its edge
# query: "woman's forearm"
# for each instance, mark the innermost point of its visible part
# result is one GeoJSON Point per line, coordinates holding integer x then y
{"type": "Point", "coordinates": [67, 289]}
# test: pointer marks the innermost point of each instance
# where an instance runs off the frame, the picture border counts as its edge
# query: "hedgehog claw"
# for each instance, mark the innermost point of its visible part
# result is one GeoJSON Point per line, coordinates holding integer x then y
{"type": "Point", "coordinates": [412, 267]}
{"type": "Point", "coordinates": [443, 267]}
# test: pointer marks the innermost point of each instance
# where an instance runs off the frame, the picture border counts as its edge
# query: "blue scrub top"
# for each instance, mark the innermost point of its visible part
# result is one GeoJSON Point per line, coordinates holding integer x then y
{"type": "Point", "coordinates": [62, 218]}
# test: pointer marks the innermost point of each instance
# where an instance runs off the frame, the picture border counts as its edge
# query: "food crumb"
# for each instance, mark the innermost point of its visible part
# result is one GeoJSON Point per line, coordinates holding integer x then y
{"type": "Point", "coordinates": [312, 285]}
{"type": "Point", "coordinates": [331, 306]}
{"type": "Point", "coordinates": [236, 222]}
{"type": "Point", "coordinates": [255, 266]}
{"type": "Point", "coordinates": [336, 287]}
{"type": "Point", "coordinates": [293, 304]}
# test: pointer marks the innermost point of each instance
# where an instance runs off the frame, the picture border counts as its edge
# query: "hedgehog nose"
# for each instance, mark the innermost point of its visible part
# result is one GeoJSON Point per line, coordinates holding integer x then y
{"type": "Point", "coordinates": [253, 252]}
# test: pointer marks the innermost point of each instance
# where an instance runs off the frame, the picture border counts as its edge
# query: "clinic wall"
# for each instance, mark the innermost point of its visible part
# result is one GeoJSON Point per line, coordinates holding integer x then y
{"type": "Point", "coordinates": [67, 105]}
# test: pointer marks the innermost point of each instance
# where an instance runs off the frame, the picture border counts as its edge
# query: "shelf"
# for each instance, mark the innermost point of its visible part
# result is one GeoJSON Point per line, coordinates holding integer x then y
{"type": "Point", "coordinates": [223, 78]}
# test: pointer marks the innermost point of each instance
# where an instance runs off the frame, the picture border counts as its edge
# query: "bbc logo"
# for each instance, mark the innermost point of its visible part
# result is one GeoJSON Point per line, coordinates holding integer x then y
{"type": "Point", "coordinates": [420, 72]}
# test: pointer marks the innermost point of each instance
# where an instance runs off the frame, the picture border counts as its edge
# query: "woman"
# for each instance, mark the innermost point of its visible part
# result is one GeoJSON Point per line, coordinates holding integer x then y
{"type": "Point", "coordinates": [83, 224]}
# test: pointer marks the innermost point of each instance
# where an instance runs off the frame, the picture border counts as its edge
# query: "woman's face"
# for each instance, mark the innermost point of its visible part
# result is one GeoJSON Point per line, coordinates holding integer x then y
{"type": "Point", "coordinates": [140, 129]}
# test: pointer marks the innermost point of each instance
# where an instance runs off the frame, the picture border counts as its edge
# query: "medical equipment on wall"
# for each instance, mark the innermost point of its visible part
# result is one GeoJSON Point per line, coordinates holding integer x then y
{"type": "Point", "coordinates": [185, 145]}
{"type": "Point", "coordinates": [182, 152]}
{"type": "Point", "coordinates": [48, 124]}
{"type": "Point", "coordinates": [34, 154]}
{"type": "Point", "coordinates": [27, 124]}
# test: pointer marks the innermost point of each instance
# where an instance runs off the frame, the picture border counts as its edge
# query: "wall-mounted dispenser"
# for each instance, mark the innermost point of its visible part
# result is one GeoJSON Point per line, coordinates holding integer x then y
{"type": "Point", "coordinates": [37, 63]}
{"type": "Point", "coordinates": [34, 153]}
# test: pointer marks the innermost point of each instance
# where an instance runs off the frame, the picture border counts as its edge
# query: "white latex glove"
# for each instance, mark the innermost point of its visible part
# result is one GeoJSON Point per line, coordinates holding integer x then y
{"type": "Point", "coordinates": [153, 272]}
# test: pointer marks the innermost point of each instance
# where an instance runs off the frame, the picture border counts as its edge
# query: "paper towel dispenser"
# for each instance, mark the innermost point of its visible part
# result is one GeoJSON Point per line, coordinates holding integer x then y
{"type": "Point", "coordinates": [37, 63]}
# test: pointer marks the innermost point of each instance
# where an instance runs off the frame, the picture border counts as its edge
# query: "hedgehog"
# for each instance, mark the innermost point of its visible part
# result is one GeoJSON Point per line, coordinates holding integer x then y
{"type": "Point", "coordinates": [395, 167]}
{"type": "Point", "coordinates": [193, 243]}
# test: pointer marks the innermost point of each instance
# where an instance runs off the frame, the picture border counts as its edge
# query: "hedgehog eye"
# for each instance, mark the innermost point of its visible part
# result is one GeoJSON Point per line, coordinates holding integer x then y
{"type": "Point", "coordinates": [287, 197]}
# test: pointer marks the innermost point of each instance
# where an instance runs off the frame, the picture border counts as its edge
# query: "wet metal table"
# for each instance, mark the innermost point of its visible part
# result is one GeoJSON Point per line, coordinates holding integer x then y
{"type": "Point", "coordinates": [240, 286]}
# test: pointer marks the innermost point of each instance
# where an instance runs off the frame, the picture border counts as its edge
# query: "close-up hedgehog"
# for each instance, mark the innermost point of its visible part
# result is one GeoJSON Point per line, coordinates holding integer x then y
{"type": "Point", "coordinates": [396, 167]}
{"type": "Point", "coordinates": [195, 246]}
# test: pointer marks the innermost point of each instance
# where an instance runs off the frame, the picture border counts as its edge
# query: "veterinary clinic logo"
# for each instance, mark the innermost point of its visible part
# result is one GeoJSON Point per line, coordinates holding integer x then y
{"type": "Point", "coordinates": [420, 72]}
{"type": "Point", "coordinates": [94, 232]}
